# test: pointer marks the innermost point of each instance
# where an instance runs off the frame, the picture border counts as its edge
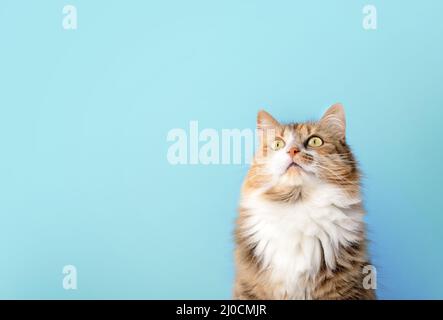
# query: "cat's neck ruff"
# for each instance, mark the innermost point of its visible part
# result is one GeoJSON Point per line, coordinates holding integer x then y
{"type": "Point", "coordinates": [292, 239]}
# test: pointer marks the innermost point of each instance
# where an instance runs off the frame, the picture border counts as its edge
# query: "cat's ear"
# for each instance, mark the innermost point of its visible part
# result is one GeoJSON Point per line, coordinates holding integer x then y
{"type": "Point", "coordinates": [266, 121]}
{"type": "Point", "coordinates": [334, 121]}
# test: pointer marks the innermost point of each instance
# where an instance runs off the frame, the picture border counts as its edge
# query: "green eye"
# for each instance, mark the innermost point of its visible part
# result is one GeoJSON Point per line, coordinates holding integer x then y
{"type": "Point", "coordinates": [315, 142]}
{"type": "Point", "coordinates": [277, 144]}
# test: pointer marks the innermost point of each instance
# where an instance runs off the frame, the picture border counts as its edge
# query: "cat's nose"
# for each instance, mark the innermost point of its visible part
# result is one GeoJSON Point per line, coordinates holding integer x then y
{"type": "Point", "coordinates": [293, 151]}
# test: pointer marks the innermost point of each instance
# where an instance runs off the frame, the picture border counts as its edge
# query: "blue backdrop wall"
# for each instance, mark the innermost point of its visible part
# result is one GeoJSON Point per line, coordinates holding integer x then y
{"type": "Point", "coordinates": [84, 115]}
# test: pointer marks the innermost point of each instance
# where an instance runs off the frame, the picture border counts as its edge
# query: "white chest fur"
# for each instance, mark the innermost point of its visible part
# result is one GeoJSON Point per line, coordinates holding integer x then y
{"type": "Point", "coordinates": [291, 238]}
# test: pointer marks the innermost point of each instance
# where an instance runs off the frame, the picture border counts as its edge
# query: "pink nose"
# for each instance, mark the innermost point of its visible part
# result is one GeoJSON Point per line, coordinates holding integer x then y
{"type": "Point", "coordinates": [293, 151]}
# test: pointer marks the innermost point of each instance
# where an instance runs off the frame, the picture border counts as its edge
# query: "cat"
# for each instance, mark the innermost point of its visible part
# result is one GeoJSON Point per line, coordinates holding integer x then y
{"type": "Point", "coordinates": [300, 232]}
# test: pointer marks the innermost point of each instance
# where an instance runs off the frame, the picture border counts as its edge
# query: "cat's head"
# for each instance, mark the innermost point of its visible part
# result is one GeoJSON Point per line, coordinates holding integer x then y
{"type": "Point", "coordinates": [293, 154]}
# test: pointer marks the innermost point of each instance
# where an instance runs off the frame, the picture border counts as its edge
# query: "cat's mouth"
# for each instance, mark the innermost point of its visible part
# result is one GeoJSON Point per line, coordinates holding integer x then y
{"type": "Point", "coordinates": [294, 166]}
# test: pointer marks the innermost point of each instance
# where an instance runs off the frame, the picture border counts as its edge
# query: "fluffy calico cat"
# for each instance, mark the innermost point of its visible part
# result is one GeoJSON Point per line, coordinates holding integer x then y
{"type": "Point", "coordinates": [300, 232]}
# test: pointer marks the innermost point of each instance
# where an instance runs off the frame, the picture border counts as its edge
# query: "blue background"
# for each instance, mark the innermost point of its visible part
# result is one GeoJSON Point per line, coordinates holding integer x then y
{"type": "Point", "coordinates": [84, 116]}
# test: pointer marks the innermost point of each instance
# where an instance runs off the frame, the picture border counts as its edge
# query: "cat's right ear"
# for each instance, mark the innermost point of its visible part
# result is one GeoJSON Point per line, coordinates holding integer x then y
{"type": "Point", "coordinates": [265, 121]}
{"type": "Point", "coordinates": [267, 127]}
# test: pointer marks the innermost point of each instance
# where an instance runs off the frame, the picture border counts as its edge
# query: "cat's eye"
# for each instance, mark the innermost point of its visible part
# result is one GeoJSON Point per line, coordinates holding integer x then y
{"type": "Point", "coordinates": [315, 142]}
{"type": "Point", "coordinates": [277, 144]}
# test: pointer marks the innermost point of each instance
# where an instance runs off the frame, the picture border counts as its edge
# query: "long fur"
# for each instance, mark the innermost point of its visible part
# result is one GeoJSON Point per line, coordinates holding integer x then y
{"type": "Point", "coordinates": [300, 232]}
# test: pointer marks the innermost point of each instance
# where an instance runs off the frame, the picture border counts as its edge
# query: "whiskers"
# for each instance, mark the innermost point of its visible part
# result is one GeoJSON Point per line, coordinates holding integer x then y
{"type": "Point", "coordinates": [339, 168]}
{"type": "Point", "coordinates": [339, 176]}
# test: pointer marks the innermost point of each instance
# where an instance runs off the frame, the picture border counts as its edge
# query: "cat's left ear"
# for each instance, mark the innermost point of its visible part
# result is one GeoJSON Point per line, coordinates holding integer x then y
{"type": "Point", "coordinates": [334, 121]}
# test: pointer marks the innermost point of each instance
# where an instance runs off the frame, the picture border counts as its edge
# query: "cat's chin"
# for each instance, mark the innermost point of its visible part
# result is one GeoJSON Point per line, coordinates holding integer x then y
{"type": "Point", "coordinates": [292, 176]}
{"type": "Point", "coordinates": [293, 166]}
{"type": "Point", "coordinates": [294, 169]}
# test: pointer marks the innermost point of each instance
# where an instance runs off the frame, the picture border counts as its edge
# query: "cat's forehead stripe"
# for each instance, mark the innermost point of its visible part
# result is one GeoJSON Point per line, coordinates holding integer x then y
{"type": "Point", "coordinates": [300, 129]}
